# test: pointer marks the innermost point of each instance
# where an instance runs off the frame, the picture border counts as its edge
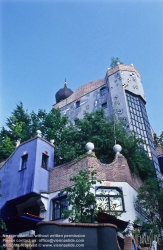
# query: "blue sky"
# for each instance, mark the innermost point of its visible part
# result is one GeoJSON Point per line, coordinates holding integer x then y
{"type": "Point", "coordinates": [42, 42]}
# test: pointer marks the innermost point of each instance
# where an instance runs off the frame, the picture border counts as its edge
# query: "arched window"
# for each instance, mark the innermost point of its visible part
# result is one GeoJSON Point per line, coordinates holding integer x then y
{"type": "Point", "coordinates": [110, 199]}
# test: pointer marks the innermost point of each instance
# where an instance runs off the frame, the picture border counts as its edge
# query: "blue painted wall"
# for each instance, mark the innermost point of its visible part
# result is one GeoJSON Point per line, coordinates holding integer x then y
{"type": "Point", "coordinates": [16, 182]}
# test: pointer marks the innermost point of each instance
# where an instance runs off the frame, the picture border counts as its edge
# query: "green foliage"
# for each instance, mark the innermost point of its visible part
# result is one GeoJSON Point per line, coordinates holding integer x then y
{"type": "Point", "coordinates": [21, 125]}
{"type": "Point", "coordinates": [114, 61]}
{"type": "Point", "coordinates": [82, 194]}
{"type": "Point", "coordinates": [2, 226]}
{"type": "Point", "coordinates": [158, 140]}
{"type": "Point", "coordinates": [70, 140]}
{"type": "Point", "coordinates": [80, 197]}
{"type": "Point", "coordinates": [95, 127]}
{"type": "Point", "coordinates": [150, 198]}
{"type": "Point", "coordinates": [6, 147]}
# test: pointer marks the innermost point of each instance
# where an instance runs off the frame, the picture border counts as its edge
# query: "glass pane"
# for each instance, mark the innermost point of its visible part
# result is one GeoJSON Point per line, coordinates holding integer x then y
{"type": "Point", "coordinates": [58, 207]}
{"type": "Point", "coordinates": [102, 203]}
{"type": "Point", "coordinates": [107, 191]}
{"type": "Point", "coordinates": [116, 203]}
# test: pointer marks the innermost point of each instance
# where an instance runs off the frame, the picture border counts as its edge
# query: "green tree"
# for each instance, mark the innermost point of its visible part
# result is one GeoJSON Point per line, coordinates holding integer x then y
{"type": "Point", "coordinates": [160, 140]}
{"type": "Point", "coordinates": [101, 131]}
{"type": "Point", "coordinates": [23, 126]}
{"type": "Point", "coordinates": [80, 197]}
{"type": "Point", "coordinates": [70, 140]}
{"type": "Point", "coordinates": [17, 127]}
{"type": "Point", "coordinates": [114, 61]}
{"type": "Point", "coordinates": [150, 198]}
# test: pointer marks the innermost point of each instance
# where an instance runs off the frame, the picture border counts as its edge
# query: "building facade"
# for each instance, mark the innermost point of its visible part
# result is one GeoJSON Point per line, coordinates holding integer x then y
{"type": "Point", "coordinates": [121, 94]}
{"type": "Point", "coordinates": [31, 185]}
{"type": "Point", "coordinates": [24, 184]}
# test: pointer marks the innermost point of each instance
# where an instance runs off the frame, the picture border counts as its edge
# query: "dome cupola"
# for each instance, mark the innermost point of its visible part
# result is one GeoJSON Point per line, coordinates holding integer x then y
{"type": "Point", "coordinates": [63, 93]}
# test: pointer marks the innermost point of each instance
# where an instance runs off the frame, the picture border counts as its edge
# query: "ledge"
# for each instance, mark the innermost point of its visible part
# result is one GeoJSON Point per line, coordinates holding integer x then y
{"type": "Point", "coordinates": [76, 224]}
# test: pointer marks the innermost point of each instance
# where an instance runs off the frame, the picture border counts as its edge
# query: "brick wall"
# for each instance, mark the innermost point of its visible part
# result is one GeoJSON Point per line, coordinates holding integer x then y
{"type": "Point", "coordinates": [128, 243]}
{"type": "Point", "coordinates": [117, 171]}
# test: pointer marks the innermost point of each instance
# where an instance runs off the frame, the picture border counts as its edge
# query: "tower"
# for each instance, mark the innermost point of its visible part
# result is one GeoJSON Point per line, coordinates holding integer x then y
{"type": "Point", "coordinates": [120, 93]}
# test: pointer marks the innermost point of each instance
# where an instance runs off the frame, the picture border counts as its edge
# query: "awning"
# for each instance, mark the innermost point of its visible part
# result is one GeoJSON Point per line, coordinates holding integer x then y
{"type": "Point", "coordinates": [22, 223]}
{"type": "Point", "coordinates": [107, 218]}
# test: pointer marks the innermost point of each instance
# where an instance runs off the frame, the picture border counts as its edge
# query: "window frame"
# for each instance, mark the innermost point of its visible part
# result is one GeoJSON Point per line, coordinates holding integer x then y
{"type": "Point", "coordinates": [111, 196]}
{"type": "Point", "coordinates": [61, 207]}
{"type": "Point", "coordinates": [24, 160]}
{"type": "Point", "coordinates": [47, 160]}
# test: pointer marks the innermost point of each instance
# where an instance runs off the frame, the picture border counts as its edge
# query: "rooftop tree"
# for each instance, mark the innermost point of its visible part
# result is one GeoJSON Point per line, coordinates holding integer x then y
{"type": "Point", "coordinates": [114, 61]}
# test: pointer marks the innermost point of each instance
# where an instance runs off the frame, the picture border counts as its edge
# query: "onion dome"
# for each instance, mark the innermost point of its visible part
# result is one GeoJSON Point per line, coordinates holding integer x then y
{"type": "Point", "coordinates": [63, 93]}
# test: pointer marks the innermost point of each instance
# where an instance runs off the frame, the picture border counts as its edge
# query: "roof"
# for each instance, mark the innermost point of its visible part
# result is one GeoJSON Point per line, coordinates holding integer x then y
{"type": "Point", "coordinates": [83, 90]}
{"type": "Point", "coordinates": [63, 93]}
{"type": "Point", "coordinates": [91, 86]}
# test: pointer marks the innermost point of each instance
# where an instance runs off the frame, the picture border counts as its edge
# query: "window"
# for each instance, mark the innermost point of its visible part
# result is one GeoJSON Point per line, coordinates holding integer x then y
{"type": "Point", "coordinates": [76, 121]}
{"type": "Point", "coordinates": [109, 199]}
{"type": "Point", "coordinates": [103, 91]}
{"type": "Point", "coordinates": [44, 163]}
{"type": "Point", "coordinates": [77, 104]}
{"type": "Point", "coordinates": [59, 205]}
{"type": "Point", "coordinates": [24, 161]}
{"type": "Point", "coordinates": [104, 105]}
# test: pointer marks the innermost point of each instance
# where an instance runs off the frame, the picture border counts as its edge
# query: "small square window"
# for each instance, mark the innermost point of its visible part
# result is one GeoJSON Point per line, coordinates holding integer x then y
{"type": "Point", "coordinates": [104, 105]}
{"type": "Point", "coordinates": [24, 161]}
{"type": "Point", "coordinates": [44, 161]}
{"type": "Point", "coordinates": [77, 104]}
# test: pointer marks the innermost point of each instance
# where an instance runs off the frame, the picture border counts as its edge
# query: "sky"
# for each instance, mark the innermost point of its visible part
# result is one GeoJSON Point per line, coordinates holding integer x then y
{"type": "Point", "coordinates": [42, 42]}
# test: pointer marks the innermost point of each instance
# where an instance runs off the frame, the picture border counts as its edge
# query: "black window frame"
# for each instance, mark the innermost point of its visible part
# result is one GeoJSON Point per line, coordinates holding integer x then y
{"type": "Point", "coordinates": [24, 161]}
{"type": "Point", "coordinates": [44, 161]}
{"type": "Point", "coordinates": [58, 211]}
{"type": "Point", "coordinates": [111, 196]}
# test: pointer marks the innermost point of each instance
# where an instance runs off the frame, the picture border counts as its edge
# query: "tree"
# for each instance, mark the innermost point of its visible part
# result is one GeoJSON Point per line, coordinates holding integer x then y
{"type": "Point", "coordinates": [114, 61]}
{"type": "Point", "coordinates": [101, 131]}
{"type": "Point", "coordinates": [70, 140]}
{"type": "Point", "coordinates": [80, 197]}
{"type": "Point", "coordinates": [160, 140]}
{"type": "Point", "coordinates": [150, 198]}
{"type": "Point", "coordinates": [23, 126]}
